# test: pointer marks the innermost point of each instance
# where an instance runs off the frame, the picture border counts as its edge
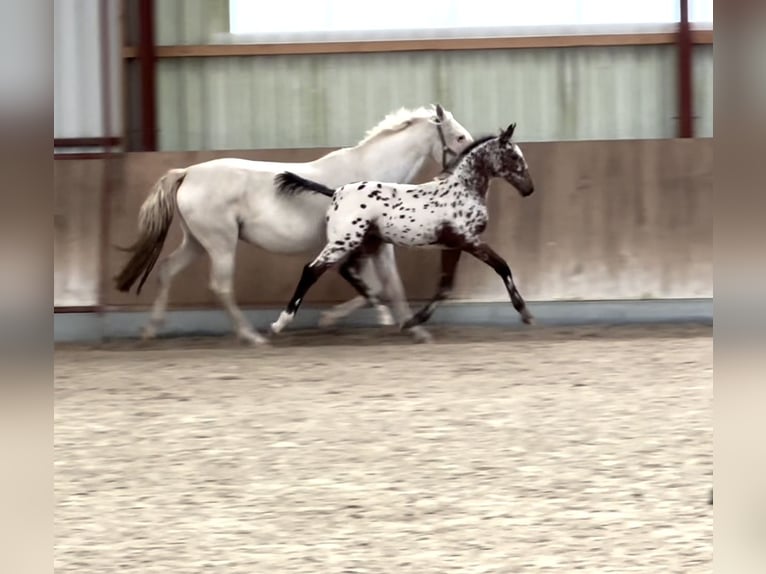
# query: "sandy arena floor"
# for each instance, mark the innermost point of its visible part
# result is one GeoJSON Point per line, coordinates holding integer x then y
{"type": "Point", "coordinates": [495, 451]}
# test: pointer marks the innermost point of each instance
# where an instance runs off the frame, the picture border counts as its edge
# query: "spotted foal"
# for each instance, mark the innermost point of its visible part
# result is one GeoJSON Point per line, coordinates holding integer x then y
{"type": "Point", "coordinates": [447, 214]}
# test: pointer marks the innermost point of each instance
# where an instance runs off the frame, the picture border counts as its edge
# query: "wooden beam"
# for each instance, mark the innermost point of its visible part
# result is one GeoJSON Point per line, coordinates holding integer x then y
{"type": "Point", "coordinates": [86, 142]}
{"type": "Point", "coordinates": [146, 54]}
{"type": "Point", "coordinates": [685, 95]}
{"type": "Point", "coordinates": [452, 44]}
{"type": "Point", "coordinates": [76, 309]}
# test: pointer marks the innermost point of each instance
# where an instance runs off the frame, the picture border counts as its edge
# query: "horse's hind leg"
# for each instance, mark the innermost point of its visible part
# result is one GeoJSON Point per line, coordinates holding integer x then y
{"type": "Point", "coordinates": [222, 284]}
{"type": "Point", "coordinates": [352, 272]}
{"type": "Point", "coordinates": [385, 265]}
{"type": "Point", "coordinates": [341, 310]}
{"type": "Point", "coordinates": [176, 262]}
{"type": "Point", "coordinates": [366, 282]}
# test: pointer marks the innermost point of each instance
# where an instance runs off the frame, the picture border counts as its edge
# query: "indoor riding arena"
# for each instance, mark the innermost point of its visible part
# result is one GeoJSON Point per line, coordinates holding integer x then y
{"type": "Point", "coordinates": [581, 443]}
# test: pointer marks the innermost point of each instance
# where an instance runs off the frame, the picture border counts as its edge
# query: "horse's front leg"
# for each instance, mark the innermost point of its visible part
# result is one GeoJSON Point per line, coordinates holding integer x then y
{"type": "Point", "coordinates": [486, 254]}
{"type": "Point", "coordinates": [363, 268]}
{"type": "Point", "coordinates": [450, 258]}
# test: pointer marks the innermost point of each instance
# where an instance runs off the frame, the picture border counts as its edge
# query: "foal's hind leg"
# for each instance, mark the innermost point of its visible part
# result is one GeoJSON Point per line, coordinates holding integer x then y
{"type": "Point", "coordinates": [311, 273]}
{"type": "Point", "coordinates": [176, 262]}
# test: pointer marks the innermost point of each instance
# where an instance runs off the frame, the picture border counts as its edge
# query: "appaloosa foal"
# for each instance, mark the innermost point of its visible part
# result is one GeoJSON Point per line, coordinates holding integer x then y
{"type": "Point", "coordinates": [449, 214]}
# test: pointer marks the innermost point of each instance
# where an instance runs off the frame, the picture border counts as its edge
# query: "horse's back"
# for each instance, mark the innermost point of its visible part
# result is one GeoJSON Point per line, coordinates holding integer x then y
{"type": "Point", "coordinates": [225, 186]}
{"type": "Point", "coordinates": [237, 164]}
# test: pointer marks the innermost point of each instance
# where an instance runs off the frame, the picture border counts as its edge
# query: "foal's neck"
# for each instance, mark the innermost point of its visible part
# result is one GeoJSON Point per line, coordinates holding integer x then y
{"type": "Point", "coordinates": [474, 174]}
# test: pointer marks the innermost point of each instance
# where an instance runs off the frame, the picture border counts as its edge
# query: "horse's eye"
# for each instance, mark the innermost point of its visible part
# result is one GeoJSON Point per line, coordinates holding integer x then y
{"type": "Point", "coordinates": [461, 138]}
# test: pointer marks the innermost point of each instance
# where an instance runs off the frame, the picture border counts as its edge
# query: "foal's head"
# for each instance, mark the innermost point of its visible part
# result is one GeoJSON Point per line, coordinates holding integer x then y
{"type": "Point", "coordinates": [509, 163]}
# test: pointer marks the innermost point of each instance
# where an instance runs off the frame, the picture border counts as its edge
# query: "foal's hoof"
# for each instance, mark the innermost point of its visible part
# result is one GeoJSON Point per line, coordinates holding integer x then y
{"type": "Point", "coordinates": [411, 323]}
{"type": "Point", "coordinates": [527, 317]}
{"type": "Point", "coordinates": [284, 319]}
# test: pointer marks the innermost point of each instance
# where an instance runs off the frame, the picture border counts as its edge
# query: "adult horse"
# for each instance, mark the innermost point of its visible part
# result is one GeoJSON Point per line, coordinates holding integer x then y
{"type": "Point", "coordinates": [225, 200]}
{"type": "Point", "coordinates": [449, 214]}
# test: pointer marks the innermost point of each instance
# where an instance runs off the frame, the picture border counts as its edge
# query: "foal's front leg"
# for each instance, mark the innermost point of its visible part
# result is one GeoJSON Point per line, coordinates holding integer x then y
{"type": "Point", "coordinates": [450, 258]}
{"type": "Point", "coordinates": [485, 253]}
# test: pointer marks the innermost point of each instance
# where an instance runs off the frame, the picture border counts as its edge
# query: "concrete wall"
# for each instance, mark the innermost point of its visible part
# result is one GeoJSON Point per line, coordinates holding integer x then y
{"type": "Point", "coordinates": [609, 220]}
{"type": "Point", "coordinates": [77, 235]}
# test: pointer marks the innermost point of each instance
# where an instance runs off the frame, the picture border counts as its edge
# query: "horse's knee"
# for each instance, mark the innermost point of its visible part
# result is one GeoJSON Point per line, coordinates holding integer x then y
{"type": "Point", "coordinates": [220, 288]}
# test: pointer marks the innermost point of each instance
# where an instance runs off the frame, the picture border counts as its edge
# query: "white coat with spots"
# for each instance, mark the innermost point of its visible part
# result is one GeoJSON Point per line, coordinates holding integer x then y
{"type": "Point", "coordinates": [448, 214]}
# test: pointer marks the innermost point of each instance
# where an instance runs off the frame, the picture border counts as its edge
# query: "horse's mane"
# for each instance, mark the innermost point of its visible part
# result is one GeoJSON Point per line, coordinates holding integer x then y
{"type": "Point", "coordinates": [397, 121]}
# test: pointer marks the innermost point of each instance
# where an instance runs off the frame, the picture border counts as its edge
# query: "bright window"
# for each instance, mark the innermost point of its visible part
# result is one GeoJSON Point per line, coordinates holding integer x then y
{"type": "Point", "coordinates": [295, 16]}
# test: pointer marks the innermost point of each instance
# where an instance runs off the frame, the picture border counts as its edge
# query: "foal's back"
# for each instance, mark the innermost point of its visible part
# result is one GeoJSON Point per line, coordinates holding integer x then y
{"type": "Point", "coordinates": [406, 215]}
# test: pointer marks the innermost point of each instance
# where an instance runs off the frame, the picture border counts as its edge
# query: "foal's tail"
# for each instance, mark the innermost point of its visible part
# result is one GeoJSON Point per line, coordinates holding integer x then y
{"type": "Point", "coordinates": [289, 183]}
{"type": "Point", "coordinates": [154, 221]}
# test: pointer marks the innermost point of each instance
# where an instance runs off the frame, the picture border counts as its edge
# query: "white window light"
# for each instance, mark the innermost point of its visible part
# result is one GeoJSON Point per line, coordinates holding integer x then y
{"type": "Point", "coordinates": [330, 17]}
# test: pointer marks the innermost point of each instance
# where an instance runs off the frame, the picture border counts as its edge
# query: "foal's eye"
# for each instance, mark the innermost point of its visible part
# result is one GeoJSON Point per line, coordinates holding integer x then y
{"type": "Point", "coordinates": [461, 138]}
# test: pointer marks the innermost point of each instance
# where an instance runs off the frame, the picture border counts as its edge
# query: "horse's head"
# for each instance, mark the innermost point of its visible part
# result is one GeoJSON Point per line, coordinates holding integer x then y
{"type": "Point", "coordinates": [510, 163]}
{"type": "Point", "coordinates": [450, 138]}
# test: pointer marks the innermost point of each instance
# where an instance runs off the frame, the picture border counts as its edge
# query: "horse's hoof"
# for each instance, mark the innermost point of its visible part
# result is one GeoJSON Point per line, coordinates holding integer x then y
{"type": "Point", "coordinates": [327, 319]}
{"type": "Point", "coordinates": [421, 336]}
{"type": "Point", "coordinates": [384, 316]}
{"type": "Point", "coordinates": [148, 333]}
{"type": "Point", "coordinates": [253, 339]}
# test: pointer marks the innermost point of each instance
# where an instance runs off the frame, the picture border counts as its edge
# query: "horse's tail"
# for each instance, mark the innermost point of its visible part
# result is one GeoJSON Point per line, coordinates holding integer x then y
{"type": "Point", "coordinates": [289, 183]}
{"type": "Point", "coordinates": [154, 221]}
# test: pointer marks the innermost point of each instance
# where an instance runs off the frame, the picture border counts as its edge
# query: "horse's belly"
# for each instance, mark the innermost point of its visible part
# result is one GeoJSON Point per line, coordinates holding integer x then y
{"type": "Point", "coordinates": [288, 235]}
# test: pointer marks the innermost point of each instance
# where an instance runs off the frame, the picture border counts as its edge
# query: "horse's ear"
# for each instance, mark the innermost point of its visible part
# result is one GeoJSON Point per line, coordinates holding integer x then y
{"type": "Point", "coordinates": [439, 112]}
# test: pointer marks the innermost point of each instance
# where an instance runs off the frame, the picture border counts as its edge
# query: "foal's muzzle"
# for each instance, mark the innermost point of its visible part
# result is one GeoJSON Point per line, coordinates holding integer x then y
{"type": "Point", "coordinates": [524, 185]}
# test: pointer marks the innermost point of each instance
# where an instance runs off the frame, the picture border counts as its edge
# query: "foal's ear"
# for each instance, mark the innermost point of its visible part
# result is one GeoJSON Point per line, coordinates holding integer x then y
{"type": "Point", "coordinates": [439, 112]}
{"type": "Point", "coordinates": [507, 134]}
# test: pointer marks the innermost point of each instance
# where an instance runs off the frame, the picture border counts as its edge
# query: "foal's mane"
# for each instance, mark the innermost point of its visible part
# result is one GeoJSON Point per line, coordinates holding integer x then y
{"type": "Point", "coordinates": [468, 149]}
{"type": "Point", "coordinates": [396, 121]}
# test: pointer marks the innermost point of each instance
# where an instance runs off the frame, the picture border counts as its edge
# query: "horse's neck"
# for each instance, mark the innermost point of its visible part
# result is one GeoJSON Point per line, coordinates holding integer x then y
{"type": "Point", "coordinates": [397, 157]}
